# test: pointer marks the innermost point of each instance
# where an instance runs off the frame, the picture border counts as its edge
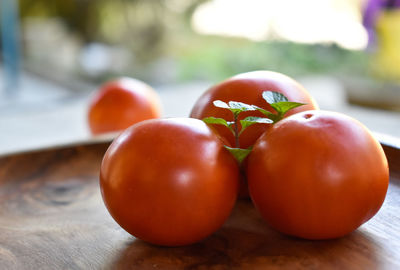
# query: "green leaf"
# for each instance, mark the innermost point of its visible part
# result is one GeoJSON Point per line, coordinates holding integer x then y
{"type": "Point", "coordinates": [273, 97]}
{"type": "Point", "coordinates": [279, 103]}
{"type": "Point", "coordinates": [241, 106]}
{"type": "Point", "coordinates": [248, 121]}
{"type": "Point", "coordinates": [217, 121]}
{"type": "Point", "coordinates": [284, 106]}
{"type": "Point", "coordinates": [239, 153]}
{"type": "Point", "coordinates": [234, 106]}
{"type": "Point", "coordinates": [268, 114]}
{"type": "Point", "coordinates": [220, 104]}
{"type": "Point", "coordinates": [237, 107]}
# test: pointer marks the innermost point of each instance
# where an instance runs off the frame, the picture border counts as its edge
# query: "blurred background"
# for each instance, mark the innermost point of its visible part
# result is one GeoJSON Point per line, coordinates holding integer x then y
{"type": "Point", "coordinates": [55, 53]}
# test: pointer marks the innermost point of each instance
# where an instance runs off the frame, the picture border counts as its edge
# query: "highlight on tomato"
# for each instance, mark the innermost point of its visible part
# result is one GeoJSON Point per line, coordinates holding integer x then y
{"type": "Point", "coordinates": [169, 181]}
{"type": "Point", "coordinates": [317, 175]}
{"type": "Point", "coordinates": [248, 88]}
{"type": "Point", "coordinates": [120, 103]}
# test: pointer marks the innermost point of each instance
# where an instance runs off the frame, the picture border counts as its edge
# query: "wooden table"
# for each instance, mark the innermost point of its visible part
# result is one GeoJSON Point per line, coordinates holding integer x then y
{"type": "Point", "coordinates": [52, 217]}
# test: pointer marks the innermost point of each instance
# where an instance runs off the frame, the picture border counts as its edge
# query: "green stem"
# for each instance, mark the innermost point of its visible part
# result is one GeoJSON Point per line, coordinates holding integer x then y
{"type": "Point", "coordinates": [236, 130]}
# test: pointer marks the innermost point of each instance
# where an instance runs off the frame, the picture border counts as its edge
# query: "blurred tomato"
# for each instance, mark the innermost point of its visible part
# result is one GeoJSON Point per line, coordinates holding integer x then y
{"type": "Point", "coordinates": [119, 104]}
{"type": "Point", "coordinates": [317, 175]}
{"type": "Point", "coordinates": [248, 88]}
{"type": "Point", "coordinates": [169, 181]}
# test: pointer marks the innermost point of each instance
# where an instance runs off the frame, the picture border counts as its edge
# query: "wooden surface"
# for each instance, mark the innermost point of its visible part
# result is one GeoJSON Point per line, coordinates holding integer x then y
{"type": "Point", "coordinates": [52, 217]}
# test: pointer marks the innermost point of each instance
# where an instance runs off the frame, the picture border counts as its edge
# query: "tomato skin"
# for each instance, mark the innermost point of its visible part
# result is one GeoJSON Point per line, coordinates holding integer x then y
{"type": "Point", "coordinates": [248, 88]}
{"type": "Point", "coordinates": [169, 181]}
{"type": "Point", "coordinates": [317, 175]}
{"type": "Point", "coordinates": [120, 103]}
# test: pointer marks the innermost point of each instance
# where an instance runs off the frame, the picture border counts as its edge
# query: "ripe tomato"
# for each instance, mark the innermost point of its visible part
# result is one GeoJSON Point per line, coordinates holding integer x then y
{"type": "Point", "coordinates": [169, 181]}
{"type": "Point", "coordinates": [121, 103]}
{"type": "Point", "coordinates": [248, 88]}
{"type": "Point", "coordinates": [317, 175]}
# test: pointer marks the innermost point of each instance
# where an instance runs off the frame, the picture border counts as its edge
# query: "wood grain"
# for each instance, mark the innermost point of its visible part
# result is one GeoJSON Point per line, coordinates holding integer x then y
{"type": "Point", "coordinates": [52, 217]}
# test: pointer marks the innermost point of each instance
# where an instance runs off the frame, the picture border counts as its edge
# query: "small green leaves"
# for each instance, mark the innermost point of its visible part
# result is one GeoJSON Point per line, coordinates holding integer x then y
{"type": "Point", "coordinates": [273, 97]}
{"type": "Point", "coordinates": [279, 103]}
{"type": "Point", "coordinates": [284, 106]}
{"type": "Point", "coordinates": [276, 100]}
{"type": "Point", "coordinates": [219, 121]}
{"type": "Point", "coordinates": [248, 121]}
{"type": "Point", "coordinates": [239, 153]}
{"type": "Point", "coordinates": [214, 120]}
{"type": "Point", "coordinates": [234, 106]}
{"type": "Point", "coordinates": [238, 107]}
{"type": "Point", "coordinates": [274, 117]}
{"type": "Point", "coordinates": [220, 104]}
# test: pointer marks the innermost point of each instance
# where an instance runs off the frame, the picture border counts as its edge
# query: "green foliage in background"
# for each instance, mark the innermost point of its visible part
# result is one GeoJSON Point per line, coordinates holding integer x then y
{"type": "Point", "coordinates": [140, 25]}
{"type": "Point", "coordinates": [219, 58]}
{"type": "Point", "coordinates": [160, 29]}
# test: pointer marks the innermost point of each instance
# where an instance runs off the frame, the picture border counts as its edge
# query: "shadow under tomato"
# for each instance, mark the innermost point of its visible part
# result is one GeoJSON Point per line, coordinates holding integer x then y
{"type": "Point", "coordinates": [254, 246]}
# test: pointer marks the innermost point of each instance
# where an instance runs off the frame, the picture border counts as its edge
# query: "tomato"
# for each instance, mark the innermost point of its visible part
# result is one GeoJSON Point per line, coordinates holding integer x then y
{"type": "Point", "coordinates": [248, 88]}
{"type": "Point", "coordinates": [120, 103]}
{"type": "Point", "coordinates": [317, 175]}
{"type": "Point", "coordinates": [169, 181]}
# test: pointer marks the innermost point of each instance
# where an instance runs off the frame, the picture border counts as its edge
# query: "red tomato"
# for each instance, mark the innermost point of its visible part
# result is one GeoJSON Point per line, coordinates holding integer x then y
{"type": "Point", "coordinates": [119, 104]}
{"type": "Point", "coordinates": [248, 88]}
{"type": "Point", "coordinates": [169, 181]}
{"type": "Point", "coordinates": [317, 175]}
